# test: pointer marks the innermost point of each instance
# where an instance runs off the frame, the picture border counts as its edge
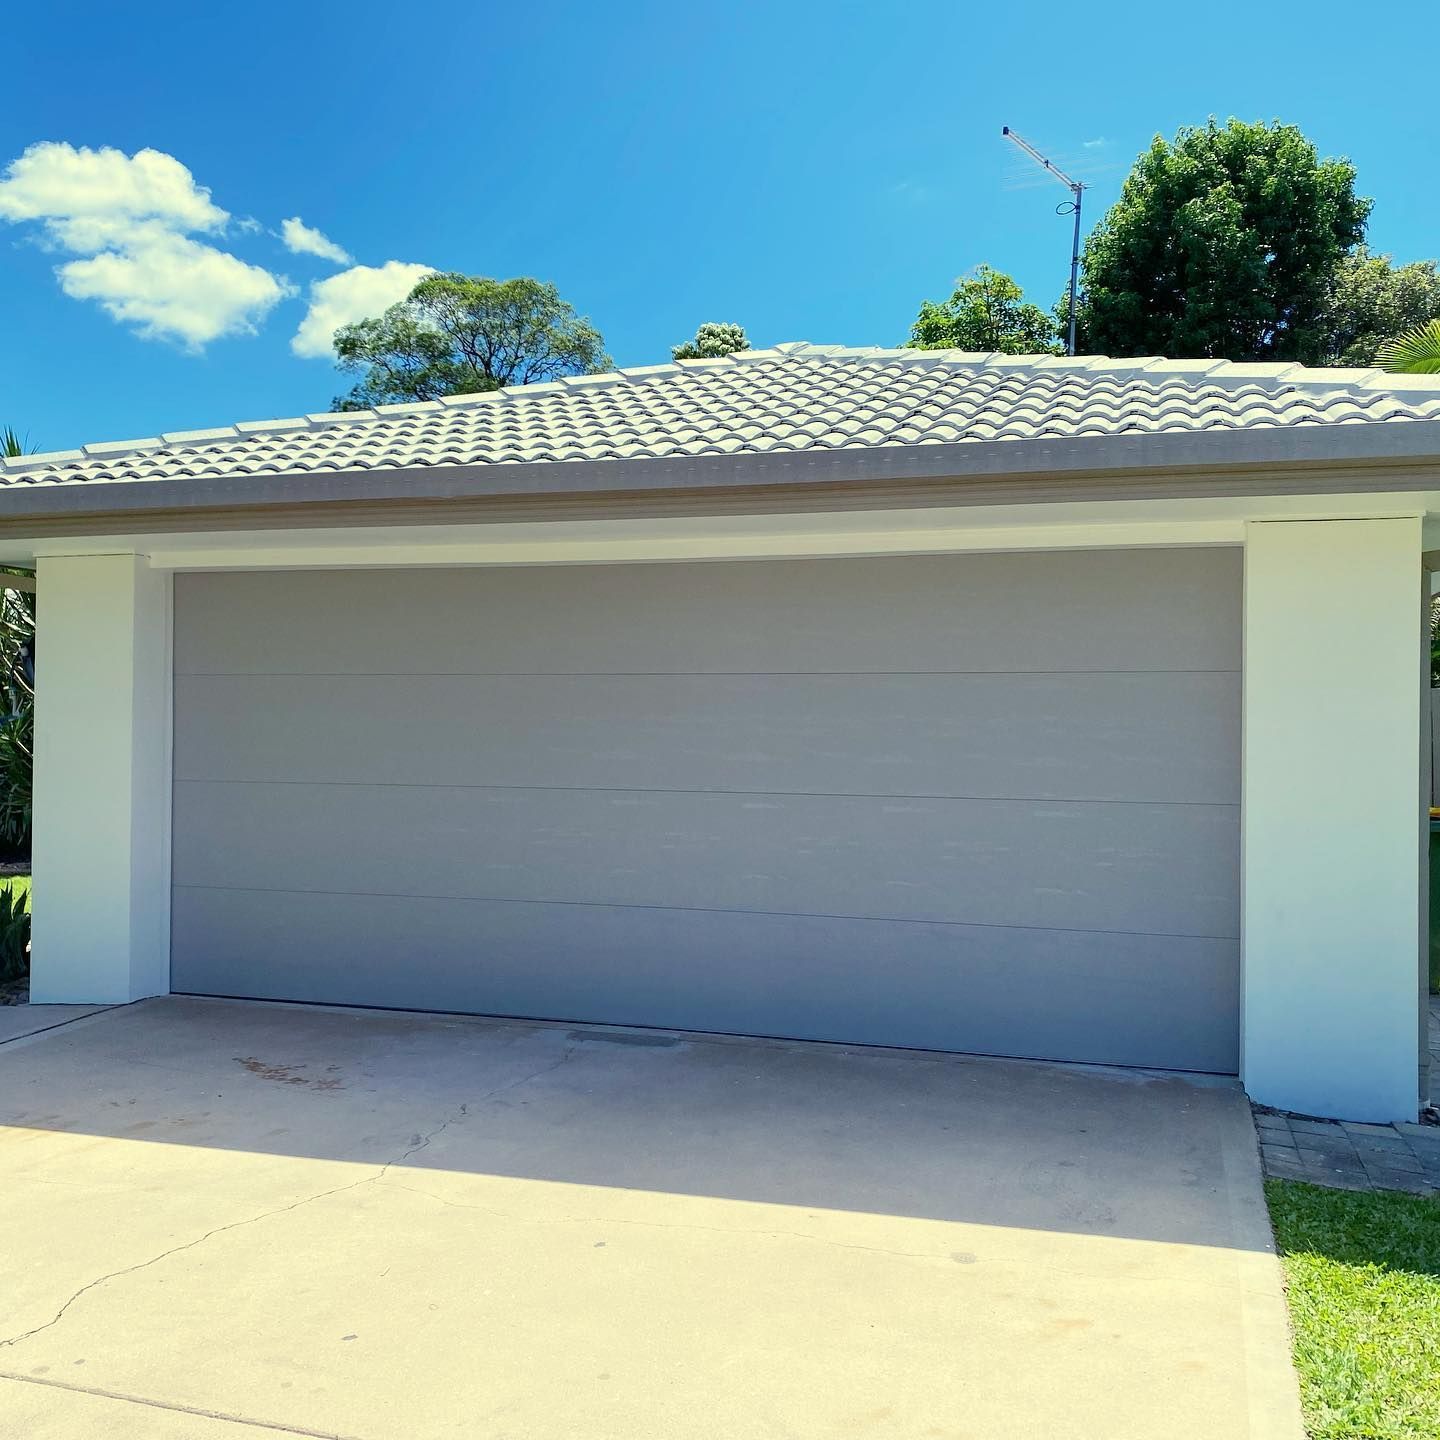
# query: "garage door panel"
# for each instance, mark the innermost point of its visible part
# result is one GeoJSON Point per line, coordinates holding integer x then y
{"type": "Point", "coordinates": [977, 802]}
{"type": "Point", "coordinates": [1132, 610]}
{"type": "Point", "coordinates": [1058, 995]}
{"type": "Point", "coordinates": [1166, 736]}
{"type": "Point", "coordinates": [1162, 868]}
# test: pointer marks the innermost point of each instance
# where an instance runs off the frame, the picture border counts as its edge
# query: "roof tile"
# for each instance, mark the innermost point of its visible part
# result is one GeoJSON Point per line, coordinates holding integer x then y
{"type": "Point", "coordinates": [793, 397]}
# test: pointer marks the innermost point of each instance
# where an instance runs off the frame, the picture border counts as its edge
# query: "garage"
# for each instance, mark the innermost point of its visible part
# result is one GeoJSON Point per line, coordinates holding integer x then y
{"type": "Point", "coordinates": [885, 697]}
{"type": "Point", "coordinates": [969, 802]}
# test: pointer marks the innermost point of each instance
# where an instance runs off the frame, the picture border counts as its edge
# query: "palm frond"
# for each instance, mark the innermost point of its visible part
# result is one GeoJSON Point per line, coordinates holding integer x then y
{"type": "Point", "coordinates": [12, 444]}
{"type": "Point", "coordinates": [1416, 352]}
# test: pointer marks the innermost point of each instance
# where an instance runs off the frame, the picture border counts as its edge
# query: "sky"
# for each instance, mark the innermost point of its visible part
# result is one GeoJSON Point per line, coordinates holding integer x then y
{"type": "Point", "coordinates": [192, 196]}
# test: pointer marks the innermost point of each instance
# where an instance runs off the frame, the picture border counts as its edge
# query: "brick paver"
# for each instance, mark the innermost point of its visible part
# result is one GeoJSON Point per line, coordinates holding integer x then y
{"type": "Point", "coordinates": [1349, 1156]}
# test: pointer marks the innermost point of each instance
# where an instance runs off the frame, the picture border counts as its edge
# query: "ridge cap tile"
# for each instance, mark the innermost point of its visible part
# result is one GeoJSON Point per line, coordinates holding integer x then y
{"type": "Point", "coordinates": [101, 448]}
{"type": "Point", "coordinates": [190, 437]}
{"type": "Point", "coordinates": [1126, 363]}
{"type": "Point", "coordinates": [1399, 384]}
{"type": "Point", "coordinates": [603, 377]}
{"type": "Point", "coordinates": [1270, 369]}
{"type": "Point", "coordinates": [1015, 364]}
{"type": "Point", "coordinates": [408, 407]}
{"type": "Point", "coordinates": [472, 397]}
{"type": "Point", "coordinates": [258, 427]}
{"type": "Point", "coordinates": [1165, 366]}
{"type": "Point", "coordinates": [40, 459]}
{"type": "Point", "coordinates": [1339, 376]}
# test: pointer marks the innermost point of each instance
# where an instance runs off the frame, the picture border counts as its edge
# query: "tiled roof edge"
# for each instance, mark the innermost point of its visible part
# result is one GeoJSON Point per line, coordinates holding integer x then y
{"type": "Point", "coordinates": [1228, 373]}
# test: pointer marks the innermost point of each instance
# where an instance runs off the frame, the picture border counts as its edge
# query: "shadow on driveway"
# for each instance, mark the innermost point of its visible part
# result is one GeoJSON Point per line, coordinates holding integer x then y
{"type": "Point", "coordinates": [943, 1137]}
{"type": "Point", "coordinates": [387, 1226]}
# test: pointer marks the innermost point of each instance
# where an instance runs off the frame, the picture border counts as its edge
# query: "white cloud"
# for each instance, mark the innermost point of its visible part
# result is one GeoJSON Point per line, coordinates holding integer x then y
{"type": "Point", "coordinates": [354, 294]}
{"type": "Point", "coordinates": [172, 287]}
{"type": "Point", "coordinates": [1098, 144]}
{"type": "Point", "coordinates": [68, 187]}
{"type": "Point", "coordinates": [130, 218]}
{"type": "Point", "coordinates": [303, 239]}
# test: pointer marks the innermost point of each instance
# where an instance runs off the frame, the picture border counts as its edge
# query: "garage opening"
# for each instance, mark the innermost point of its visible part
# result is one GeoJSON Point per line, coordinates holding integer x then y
{"type": "Point", "coordinates": [983, 803]}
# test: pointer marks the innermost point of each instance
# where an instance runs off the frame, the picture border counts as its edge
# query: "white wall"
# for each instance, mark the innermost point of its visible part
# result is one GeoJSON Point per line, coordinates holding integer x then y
{"type": "Point", "coordinates": [1335, 673]}
{"type": "Point", "coordinates": [102, 788]}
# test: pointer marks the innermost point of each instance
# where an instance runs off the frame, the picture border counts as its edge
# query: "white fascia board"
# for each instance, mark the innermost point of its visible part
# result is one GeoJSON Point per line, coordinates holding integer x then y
{"type": "Point", "coordinates": [1054, 526]}
{"type": "Point", "coordinates": [349, 552]}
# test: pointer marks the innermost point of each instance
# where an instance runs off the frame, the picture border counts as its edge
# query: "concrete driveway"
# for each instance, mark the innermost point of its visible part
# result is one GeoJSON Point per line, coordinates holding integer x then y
{"type": "Point", "coordinates": [224, 1218]}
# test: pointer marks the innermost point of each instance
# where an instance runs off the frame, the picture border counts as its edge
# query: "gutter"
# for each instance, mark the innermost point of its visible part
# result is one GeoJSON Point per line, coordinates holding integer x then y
{"type": "Point", "coordinates": [1377, 455]}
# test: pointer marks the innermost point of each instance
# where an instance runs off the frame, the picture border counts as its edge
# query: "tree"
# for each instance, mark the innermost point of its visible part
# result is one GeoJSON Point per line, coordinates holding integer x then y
{"type": "Point", "coordinates": [987, 312]}
{"type": "Point", "coordinates": [1372, 300]}
{"type": "Point", "coordinates": [462, 334]}
{"type": "Point", "coordinates": [1417, 352]}
{"type": "Point", "coordinates": [712, 342]}
{"type": "Point", "coordinates": [1224, 244]}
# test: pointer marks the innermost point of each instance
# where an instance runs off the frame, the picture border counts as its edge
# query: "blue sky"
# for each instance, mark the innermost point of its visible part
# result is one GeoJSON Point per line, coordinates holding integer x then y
{"type": "Point", "coordinates": [811, 171]}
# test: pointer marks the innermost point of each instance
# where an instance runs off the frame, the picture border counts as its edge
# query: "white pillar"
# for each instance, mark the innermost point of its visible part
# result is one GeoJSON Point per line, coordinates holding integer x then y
{"type": "Point", "coordinates": [1334, 897]}
{"type": "Point", "coordinates": [101, 925]}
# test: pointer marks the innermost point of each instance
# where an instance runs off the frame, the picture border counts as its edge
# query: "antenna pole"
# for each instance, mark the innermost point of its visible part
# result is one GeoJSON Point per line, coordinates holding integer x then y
{"type": "Point", "coordinates": [1074, 269]}
{"type": "Point", "coordinates": [1076, 190]}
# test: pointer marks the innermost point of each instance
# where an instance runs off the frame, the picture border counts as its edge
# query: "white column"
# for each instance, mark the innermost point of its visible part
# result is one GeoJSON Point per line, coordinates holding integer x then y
{"type": "Point", "coordinates": [1335, 671]}
{"type": "Point", "coordinates": [101, 924]}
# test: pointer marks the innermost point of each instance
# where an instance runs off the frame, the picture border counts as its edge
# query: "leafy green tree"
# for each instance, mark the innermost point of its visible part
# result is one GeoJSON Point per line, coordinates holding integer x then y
{"type": "Point", "coordinates": [1224, 244]}
{"type": "Point", "coordinates": [987, 312]}
{"type": "Point", "coordinates": [712, 342]}
{"type": "Point", "coordinates": [1417, 352]}
{"type": "Point", "coordinates": [460, 334]}
{"type": "Point", "coordinates": [1373, 300]}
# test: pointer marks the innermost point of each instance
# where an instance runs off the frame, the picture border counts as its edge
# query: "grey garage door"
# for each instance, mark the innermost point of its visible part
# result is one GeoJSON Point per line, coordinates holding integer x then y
{"type": "Point", "coordinates": [983, 803]}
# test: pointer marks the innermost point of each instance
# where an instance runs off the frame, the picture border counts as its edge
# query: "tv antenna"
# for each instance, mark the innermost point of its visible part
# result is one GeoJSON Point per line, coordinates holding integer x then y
{"type": "Point", "coordinates": [1070, 207]}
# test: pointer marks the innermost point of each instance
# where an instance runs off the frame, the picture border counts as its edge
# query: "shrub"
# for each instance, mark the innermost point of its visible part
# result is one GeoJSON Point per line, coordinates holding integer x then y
{"type": "Point", "coordinates": [14, 931]}
{"type": "Point", "coordinates": [17, 740]}
{"type": "Point", "coordinates": [17, 719]}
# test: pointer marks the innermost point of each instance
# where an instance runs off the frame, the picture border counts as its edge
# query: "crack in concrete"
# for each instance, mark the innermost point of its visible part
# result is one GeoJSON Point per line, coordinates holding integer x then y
{"type": "Point", "coordinates": [105, 1279]}
{"type": "Point", "coordinates": [381, 1173]}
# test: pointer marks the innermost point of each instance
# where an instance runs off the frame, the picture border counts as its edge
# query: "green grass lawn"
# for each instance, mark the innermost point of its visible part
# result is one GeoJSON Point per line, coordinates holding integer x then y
{"type": "Point", "coordinates": [1363, 1273]}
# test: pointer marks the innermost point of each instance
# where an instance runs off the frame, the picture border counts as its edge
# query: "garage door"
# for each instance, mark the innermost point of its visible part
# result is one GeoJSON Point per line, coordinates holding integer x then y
{"type": "Point", "coordinates": [981, 803]}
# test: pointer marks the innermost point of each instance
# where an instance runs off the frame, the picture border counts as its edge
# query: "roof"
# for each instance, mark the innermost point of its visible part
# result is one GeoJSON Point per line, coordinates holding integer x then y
{"type": "Point", "coordinates": [795, 397]}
